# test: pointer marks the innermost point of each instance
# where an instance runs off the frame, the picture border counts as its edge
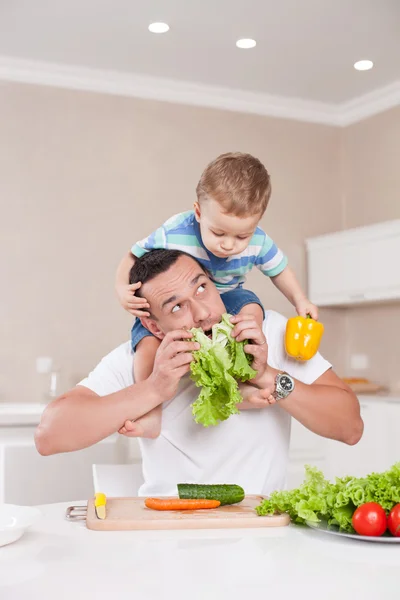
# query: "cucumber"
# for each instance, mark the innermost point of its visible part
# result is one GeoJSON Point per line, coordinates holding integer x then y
{"type": "Point", "coordinates": [226, 494]}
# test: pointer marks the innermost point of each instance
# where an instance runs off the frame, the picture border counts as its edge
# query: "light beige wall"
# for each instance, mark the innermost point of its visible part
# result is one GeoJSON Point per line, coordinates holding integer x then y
{"type": "Point", "coordinates": [84, 175]}
{"type": "Point", "coordinates": [371, 178]}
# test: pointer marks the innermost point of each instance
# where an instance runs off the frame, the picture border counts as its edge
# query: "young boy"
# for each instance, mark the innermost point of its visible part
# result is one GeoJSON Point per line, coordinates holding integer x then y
{"type": "Point", "coordinates": [222, 233]}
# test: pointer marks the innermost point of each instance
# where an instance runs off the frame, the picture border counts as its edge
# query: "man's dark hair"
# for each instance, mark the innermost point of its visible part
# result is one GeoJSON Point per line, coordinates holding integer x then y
{"type": "Point", "coordinates": [155, 262]}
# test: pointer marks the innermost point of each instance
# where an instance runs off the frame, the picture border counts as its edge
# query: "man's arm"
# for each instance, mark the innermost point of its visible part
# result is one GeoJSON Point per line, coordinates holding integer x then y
{"type": "Point", "coordinates": [81, 418]}
{"type": "Point", "coordinates": [327, 407]}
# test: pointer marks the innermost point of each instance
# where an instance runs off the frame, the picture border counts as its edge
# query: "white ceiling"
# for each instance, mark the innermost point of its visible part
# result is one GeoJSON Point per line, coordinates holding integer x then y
{"type": "Point", "coordinates": [305, 48]}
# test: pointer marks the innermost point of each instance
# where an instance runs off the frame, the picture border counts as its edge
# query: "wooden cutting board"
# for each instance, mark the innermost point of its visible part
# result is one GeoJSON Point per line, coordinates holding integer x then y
{"type": "Point", "coordinates": [131, 513]}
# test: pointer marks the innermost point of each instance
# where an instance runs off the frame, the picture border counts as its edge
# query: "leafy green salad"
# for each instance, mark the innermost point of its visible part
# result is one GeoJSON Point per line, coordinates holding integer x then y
{"type": "Point", "coordinates": [318, 499]}
{"type": "Point", "coordinates": [219, 364]}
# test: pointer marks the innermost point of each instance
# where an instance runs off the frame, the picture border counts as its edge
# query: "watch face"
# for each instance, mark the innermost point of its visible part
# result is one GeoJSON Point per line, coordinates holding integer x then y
{"type": "Point", "coordinates": [286, 383]}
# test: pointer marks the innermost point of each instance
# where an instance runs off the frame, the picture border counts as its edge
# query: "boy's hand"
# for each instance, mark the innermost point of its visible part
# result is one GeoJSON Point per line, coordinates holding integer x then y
{"type": "Point", "coordinates": [304, 307]}
{"type": "Point", "coordinates": [132, 303]}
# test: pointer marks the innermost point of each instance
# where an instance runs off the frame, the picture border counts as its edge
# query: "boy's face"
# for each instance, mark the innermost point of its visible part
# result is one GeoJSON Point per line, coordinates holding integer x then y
{"type": "Point", "coordinates": [224, 234]}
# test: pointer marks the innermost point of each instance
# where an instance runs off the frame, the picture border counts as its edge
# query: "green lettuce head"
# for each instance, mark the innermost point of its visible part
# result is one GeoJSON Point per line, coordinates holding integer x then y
{"type": "Point", "coordinates": [218, 365]}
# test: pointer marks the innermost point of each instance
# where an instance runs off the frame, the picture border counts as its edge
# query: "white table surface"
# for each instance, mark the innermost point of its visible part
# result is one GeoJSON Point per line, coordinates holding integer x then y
{"type": "Point", "coordinates": [57, 560]}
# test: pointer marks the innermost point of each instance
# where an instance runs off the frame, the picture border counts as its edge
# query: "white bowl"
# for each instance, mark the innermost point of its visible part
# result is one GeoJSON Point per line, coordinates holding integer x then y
{"type": "Point", "coordinates": [15, 520]}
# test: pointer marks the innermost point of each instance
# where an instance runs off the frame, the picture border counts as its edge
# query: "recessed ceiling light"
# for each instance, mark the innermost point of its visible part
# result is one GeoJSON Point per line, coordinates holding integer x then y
{"type": "Point", "coordinates": [363, 65]}
{"type": "Point", "coordinates": [246, 43]}
{"type": "Point", "coordinates": [158, 27]}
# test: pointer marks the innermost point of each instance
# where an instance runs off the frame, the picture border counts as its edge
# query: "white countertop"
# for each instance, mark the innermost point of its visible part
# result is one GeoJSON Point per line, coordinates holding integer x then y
{"type": "Point", "coordinates": [379, 397]}
{"type": "Point", "coordinates": [20, 414]}
{"type": "Point", "coordinates": [60, 559]}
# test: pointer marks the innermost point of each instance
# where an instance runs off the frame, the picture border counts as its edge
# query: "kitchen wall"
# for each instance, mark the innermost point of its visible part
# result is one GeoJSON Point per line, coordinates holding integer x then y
{"type": "Point", "coordinates": [371, 181]}
{"type": "Point", "coordinates": [84, 175]}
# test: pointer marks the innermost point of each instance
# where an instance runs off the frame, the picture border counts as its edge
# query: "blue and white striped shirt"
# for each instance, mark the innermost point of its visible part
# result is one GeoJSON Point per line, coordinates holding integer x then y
{"type": "Point", "coordinates": [182, 232]}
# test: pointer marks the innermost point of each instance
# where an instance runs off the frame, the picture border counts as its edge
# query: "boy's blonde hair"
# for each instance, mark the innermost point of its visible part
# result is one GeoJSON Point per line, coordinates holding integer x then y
{"type": "Point", "coordinates": [238, 182]}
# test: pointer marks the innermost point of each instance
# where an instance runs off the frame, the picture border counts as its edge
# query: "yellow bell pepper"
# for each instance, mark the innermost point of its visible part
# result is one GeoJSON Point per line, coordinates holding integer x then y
{"type": "Point", "coordinates": [303, 336]}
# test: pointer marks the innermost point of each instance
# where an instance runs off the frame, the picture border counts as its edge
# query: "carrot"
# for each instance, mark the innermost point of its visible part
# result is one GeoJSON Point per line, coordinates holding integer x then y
{"type": "Point", "coordinates": [178, 504]}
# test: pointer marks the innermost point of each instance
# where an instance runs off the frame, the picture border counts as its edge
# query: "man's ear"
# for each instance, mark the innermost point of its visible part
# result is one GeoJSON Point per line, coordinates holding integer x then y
{"type": "Point", "coordinates": [197, 211]}
{"type": "Point", "coordinates": [152, 326]}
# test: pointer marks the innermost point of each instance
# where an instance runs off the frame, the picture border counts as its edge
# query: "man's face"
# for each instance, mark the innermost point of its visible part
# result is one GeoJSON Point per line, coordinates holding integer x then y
{"type": "Point", "coordinates": [181, 298]}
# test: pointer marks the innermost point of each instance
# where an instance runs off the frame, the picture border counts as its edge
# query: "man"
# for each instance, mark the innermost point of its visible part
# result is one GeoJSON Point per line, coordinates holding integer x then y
{"type": "Point", "coordinates": [249, 449]}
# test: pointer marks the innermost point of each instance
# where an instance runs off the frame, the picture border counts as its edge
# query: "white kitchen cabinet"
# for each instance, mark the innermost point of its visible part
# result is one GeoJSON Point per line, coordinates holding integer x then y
{"type": "Point", "coordinates": [373, 451]}
{"type": "Point", "coordinates": [28, 478]}
{"type": "Point", "coordinates": [305, 448]}
{"type": "Point", "coordinates": [392, 432]}
{"type": "Point", "coordinates": [355, 265]}
{"type": "Point", "coordinates": [378, 449]}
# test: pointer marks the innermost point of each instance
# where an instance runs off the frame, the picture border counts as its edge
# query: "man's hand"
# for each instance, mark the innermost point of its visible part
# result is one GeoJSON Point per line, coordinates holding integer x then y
{"type": "Point", "coordinates": [248, 329]}
{"type": "Point", "coordinates": [130, 302]}
{"type": "Point", "coordinates": [172, 362]}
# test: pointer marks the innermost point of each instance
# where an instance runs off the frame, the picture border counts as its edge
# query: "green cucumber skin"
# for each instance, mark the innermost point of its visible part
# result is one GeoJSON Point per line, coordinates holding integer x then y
{"type": "Point", "coordinates": [225, 493]}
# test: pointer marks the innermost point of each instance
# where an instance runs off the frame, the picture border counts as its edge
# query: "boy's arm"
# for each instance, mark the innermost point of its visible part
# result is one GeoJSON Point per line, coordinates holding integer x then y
{"type": "Point", "coordinates": [123, 270]}
{"type": "Point", "coordinates": [287, 283]}
{"type": "Point", "coordinates": [127, 292]}
{"type": "Point", "coordinates": [273, 263]}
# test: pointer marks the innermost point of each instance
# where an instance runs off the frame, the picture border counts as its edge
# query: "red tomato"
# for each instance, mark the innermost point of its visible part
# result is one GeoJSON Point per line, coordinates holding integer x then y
{"type": "Point", "coordinates": [394, 521]}
{"type": "Point", "coordinates": [370, 519]}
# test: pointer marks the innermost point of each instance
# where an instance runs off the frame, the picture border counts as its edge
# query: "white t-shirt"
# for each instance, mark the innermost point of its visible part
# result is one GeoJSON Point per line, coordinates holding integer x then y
{"type": "Point", "coordinates": [249, 449]}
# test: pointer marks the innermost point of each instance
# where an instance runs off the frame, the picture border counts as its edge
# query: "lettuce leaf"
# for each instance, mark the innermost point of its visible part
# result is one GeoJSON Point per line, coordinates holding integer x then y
{"type": "Point", "coordinates": [219, 363]}
{"type": "Point", "coordinates": [318, 499]}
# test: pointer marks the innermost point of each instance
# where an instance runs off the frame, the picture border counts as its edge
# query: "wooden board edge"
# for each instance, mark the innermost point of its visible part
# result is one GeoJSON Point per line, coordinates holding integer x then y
{"type": "Point", "coordinates": [139, 525]}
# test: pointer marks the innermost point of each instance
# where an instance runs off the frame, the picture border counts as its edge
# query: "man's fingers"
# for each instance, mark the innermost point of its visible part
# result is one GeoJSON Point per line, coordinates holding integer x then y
{"type": "Point", "coordinates": [248, 329]}
{"type": "Point", "coordinates": [253, 334]}
{"type": "Point", "coordinates": [256, 349]}
{"type": "Point", "coordinates": [183, 358]}
{"type": "Point", "coordinates": [238, 318]}
{"type": "Point", "coordinates": [176, 348]}
{"type": "Point", "coordinates": [182, 370]}
{"type": "Point", "coordinates": [178, 334]}
{"type": "Point", "coordinates": [135, 286]}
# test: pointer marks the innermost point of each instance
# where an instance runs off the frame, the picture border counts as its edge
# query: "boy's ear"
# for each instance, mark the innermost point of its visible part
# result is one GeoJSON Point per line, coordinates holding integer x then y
{"type": "Point", "coordinates": [197, 211]}
{"type": "Point", "coordinates": [152, 326]}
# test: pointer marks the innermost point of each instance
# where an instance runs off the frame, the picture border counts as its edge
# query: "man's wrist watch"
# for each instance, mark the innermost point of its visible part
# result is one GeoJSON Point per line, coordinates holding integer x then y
{"type": "Point", "coordinates": [284, 385]}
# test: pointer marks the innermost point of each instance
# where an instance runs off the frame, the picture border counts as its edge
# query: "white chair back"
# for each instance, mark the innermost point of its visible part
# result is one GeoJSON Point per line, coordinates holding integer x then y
{"type": "Point", "coordinates": [117, 480]}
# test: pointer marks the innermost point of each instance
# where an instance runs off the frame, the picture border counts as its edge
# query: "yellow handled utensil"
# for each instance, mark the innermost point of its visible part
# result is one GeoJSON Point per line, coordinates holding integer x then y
{"type": "Point", "coordinates": [100, 502]}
